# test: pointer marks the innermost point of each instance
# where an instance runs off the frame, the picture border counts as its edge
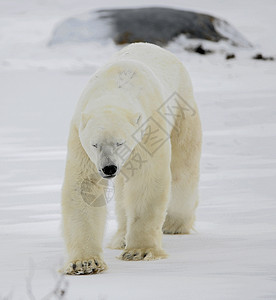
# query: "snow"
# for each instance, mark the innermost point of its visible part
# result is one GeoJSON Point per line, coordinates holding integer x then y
{"type": "Point", "coordinates": [226, 30]}
{"type": "Point", "coordinates": [232, 253]}
{"type": "Point", "coordinates": [82, 28]}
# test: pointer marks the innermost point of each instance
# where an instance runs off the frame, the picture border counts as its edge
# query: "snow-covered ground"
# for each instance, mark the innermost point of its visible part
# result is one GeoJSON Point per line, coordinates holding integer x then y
{"type": "Point", "coordinates": [233, 253]}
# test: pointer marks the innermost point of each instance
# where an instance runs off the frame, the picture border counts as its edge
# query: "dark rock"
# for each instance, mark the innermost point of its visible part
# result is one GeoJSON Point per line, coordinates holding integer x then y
{"type": "Point", "coordinates": [160, 25]}
{"type": "Point", "coordinates": [230, 56]}
{"type": "Point", "coordinates": [199, 49]}
{"type": "Point", "coordinates": [261, 57]}
{"type": "Point", "coordinates": [156, 25]}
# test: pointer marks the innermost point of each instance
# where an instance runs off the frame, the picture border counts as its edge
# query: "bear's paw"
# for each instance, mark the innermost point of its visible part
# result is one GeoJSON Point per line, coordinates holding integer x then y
{"type": "Point", "coordinates": [143, 254]}
{"type": "Point", "coordinates": [82, 267]}
{"type": "Point", "coordinates": [173, 225]}
{"type": "Point", "coordinates": [118, 241]}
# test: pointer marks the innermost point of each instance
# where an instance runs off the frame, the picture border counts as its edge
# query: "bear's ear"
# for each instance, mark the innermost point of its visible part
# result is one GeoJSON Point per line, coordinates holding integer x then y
{"type": "Point", "coordinates": [136, 119]}
{"type": "Point", "coordinates": [84, 119]}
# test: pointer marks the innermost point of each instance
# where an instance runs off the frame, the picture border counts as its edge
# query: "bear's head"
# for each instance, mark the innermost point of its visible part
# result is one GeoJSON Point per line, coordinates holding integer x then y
{"type": "Point", "coordinates": [106, 137]}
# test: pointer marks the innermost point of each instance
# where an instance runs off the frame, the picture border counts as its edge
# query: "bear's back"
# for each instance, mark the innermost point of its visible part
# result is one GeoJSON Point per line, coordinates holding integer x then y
{"type": "Point", "coordinates": [154, 69]}
{"type": "Point", "coordinates": [166, 67]}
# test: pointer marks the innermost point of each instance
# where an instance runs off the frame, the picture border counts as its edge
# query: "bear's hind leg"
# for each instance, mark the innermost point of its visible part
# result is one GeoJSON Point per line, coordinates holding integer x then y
{"type": "Point", "coordinates": [181, 212]}
{"type": "Point", "coordinates": [186, 149]}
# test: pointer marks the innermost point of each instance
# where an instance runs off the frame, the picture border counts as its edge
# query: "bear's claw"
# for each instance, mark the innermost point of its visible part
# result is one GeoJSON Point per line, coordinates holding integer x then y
{"type": "Point", "coordinates": [142, 254]}
{"type": "Point", "coordinates": [90, 266]}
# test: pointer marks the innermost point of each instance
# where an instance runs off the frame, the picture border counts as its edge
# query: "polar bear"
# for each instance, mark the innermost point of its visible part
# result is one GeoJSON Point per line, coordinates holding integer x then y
{"type": "Point", "coordinates": [136, 122]}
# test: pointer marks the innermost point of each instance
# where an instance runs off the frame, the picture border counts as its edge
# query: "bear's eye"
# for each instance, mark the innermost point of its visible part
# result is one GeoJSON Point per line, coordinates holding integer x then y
{"type": "Point", "coordinates": [119, 144]}
{"type": "Point", "coordinates": [95, 145]}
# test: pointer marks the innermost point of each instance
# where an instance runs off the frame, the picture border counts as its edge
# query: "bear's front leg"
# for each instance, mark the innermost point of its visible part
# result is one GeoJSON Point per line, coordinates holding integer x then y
{"type": "Point", "coordinates": [84, 214]}
{"type": "Point", "coordinates": [147, 195]}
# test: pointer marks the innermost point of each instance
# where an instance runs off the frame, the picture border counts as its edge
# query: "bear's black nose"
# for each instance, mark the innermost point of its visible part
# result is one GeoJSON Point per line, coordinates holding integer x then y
{"type": "Point", "coordinates": [109, 170]}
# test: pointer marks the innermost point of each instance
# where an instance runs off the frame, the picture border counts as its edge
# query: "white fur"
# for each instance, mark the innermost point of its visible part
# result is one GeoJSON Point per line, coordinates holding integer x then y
{"type": "Point", "coordinates": [124, 95]}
